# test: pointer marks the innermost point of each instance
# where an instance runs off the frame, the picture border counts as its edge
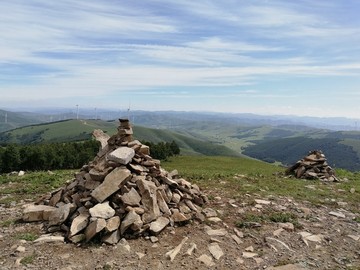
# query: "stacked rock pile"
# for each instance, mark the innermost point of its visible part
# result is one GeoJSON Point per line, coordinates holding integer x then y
{"type": "Point", "coordinates": [313, 166]}
{"type": "Point", "coordinates": [122, 193]}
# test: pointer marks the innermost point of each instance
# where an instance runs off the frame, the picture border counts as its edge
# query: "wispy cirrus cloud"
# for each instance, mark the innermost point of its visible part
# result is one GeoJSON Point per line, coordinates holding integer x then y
{"type": "Point", "coordinates": [97, 49]}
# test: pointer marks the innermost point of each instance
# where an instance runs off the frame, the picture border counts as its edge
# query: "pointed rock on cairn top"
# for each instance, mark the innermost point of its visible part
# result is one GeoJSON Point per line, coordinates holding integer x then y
{"type": "Point", "coordinates": [313, 166]}
{"type": "Point", "coordinates": [122, 193]}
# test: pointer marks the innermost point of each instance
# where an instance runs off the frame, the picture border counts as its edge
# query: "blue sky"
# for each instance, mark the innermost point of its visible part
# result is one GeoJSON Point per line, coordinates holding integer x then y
{"type": "Point", "coordinates": [267, 57]}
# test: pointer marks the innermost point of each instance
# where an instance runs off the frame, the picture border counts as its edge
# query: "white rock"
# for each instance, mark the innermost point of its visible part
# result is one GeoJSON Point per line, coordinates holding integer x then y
{"type": "Point", "coordinates": [354, 237]}
{"type": "Point", "coordinates": [172, 253]}
{"type": "Point", "coordinates": [191, 249]}
{"type": "Point", "coordinates": [122, 155]}
{"type": "Point", "coordinates": [214, 219]}
{"type": "Point", "coordinates": [337, 214]}
{"type": "Point", "coordinates": [215, 251]}
{"type": "Point", "coordinates": [207, 260]}
{"type": "Point", "coordinates": [219, 232]}
{"type": "Point", "coordinates": [46, 238]}
{"type": "Point", "coordinates": [123, 244]}
{"type": "Point", "coordinates": [37, 212]}
{"type": "Point", "coordinates": [249, 254]}
{"type": "Point", "coordinates": [20, 249]}
{"type": "Point", "coordinates": [79, 223]}
{"type": "Point", "coordinates": [258, 201]}
{"type": "Point", "coordinates": [158, 225]}
{"type": "Point", "coordinates": [102, 210]}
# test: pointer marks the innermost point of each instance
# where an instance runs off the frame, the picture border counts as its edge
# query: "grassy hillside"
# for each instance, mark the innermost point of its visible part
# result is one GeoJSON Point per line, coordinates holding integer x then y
{"type": "Point", "coordinates": [10, 120]}
{"type": "Point", "coordinates": [74, 130]}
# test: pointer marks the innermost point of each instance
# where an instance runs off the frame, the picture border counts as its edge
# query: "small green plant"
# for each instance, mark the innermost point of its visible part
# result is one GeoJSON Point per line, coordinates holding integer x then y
{"type": "Point", "coordinates": [28, 259]}
{"type": "Point", "coordinates": [27, 236]}
{"type": "Point", "coordinates": [7, 223]}
{"type": "Point", "coordinates": [281, 217]}
{"type": "Point", "coordinates": [249, 220]}
{"type": "Point", "coordinates": [357, 219]}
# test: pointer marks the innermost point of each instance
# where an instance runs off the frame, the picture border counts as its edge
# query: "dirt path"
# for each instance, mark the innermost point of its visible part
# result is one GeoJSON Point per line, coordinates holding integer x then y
{"type": "Point", "coordinates": [315, 238]}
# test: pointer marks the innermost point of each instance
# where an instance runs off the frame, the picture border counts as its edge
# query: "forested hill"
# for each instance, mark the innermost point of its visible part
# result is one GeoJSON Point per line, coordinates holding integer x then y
{"type": "Point", "coordinates": [290, 150]}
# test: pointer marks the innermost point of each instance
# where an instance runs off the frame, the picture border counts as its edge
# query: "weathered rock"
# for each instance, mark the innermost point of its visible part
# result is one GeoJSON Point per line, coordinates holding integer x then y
{"type": "Point", "coordinates": [124, 245]}
{"type": "Point", "coordinates": [112, 238]}
{"type": "Point", "coordinates": [79, 223]}
{"type": "Point", "coordinates": [131, 198]}
{"type": "Point", "coordinates": [101, 136]}
{"type": "Point", "coordinates": [249, 254]}
{"type": "Point", "coordinates": [77, 238]}
{"type": "Point", "coordinates": [209, 212]}
{"type": "Point", "coordinates": [46, 238]}
{"type": "Point", "coordinates": [172, 253]}
{"type": "Point", "coordinates": [122, 155]}
{"type": "Point", "coordinates": [287, 267]}
{"type": "Point", "coordinates": [215, 251]}
{"type": "Point", "coordinates": [337, 214]}
{"type": "Point", "coordinates": [179, 217]}
{"type": "Point", "coordinates": [157, 226]}
{"type": "Point", "coordinates": [130, 219]}
{"type": "Point", "coordinates": [37, 212]}
{"type": "Point", "coordinates": [191, 250]}
{"type": "Point", "coordinates": [162, 203]}
{"type": "Point", "coordinates": [148, 200]}
{"type": "Point", "coordinates": [94, 227]}
{"type": "Point", "coordinates": [219, 232]}
{"type": "Point", "coordinates": [112, 224]}
{"type": "Point", "coordinates": [102, 210]}
{"type": "Point", "coordinates": [56, 198]}
{"type": "Point", "coordinates": [59, 215]}
{"type": "Point", "coordinates": [112, 183]}
{"type": "Point", "coordinates": [207, 260]}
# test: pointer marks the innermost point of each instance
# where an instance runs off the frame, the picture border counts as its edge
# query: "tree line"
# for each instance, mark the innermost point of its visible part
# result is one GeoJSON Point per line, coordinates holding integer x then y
{"type": "Point", "coordinates": [69, 155]}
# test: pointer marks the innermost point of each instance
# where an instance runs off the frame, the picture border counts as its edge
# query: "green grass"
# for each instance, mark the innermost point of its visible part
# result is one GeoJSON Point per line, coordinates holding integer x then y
{"type": "Point", "coordinates": [240, 176]}
{"type": "Point", "coordinates": [28, 259]}
{"type": "Point", "coordinates": [7, 223]}
{"type": "Point", "coordinates": [31, 185]}
{"type": "Point", "coordinates": [278, 217]}
{"type": "Point", "coordinates": [29, 236]}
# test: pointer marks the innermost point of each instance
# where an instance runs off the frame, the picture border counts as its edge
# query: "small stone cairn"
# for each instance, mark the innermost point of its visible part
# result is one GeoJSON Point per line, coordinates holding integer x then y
{"type": "Point", "coordinates": [122, 193]}
{"type": "Point", "coordinates": [313, 166]}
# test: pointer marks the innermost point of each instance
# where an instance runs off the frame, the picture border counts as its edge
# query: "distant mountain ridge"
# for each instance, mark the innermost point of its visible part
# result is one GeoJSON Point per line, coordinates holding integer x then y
{"type": "Point", "coordinates": [215, 134]}
{"type": "Point", "coordinates": [166, 119]}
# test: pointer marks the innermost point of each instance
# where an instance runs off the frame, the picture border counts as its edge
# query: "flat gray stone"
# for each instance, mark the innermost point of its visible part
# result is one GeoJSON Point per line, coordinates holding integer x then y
{"type": "Point", "coordinates": [112, 224]}
{"type": "Point", "coordinates": [58, 216]}
{"type": "Point", "coordinates": [94, 227]}
{"type": "Point", "coordinates": [49, 239]}
{"type": "Point", "coordinates": [79, 223]}
{"type": "Point", "coordinates": [207, 260]}
{"type": "Point", "coordinates": [131, 198]}
{"type": "Point", "coordinates": [112, 183]}
{"type": "Point", "coordinates": [122, 155]}
{"type": "Point", "coordinates": [37, 212]}
{"type": "Point", "coordinates": [112, 238]}
{"type": "Point", "coordinates": [102, 210]}
{"type": "Point", "coordinates": [157, 226]}
{"type": "Point", "coordinates": [219, 232]}
{"type": "Point", "coordinates": [215, 251]}
{"type": "Point", "coordinates": [130, 219]}
{"type": "Point", "coordinates": [287, 267]}
{"type": "Point", "coordinates": [148, 200]}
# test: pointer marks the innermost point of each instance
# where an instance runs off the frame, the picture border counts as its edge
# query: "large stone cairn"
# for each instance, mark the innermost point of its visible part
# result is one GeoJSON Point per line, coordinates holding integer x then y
{"type": "Point", "coordinates": [122, 193]}
{"type": "Point", "coordinates": [313, 166]}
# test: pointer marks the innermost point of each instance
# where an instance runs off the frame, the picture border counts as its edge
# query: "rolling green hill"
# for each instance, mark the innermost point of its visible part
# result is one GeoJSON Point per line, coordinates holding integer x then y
{"type": "Point", "coordinates": [75, 130]}
{"type": "Point", "coordinates": [10, 120]}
